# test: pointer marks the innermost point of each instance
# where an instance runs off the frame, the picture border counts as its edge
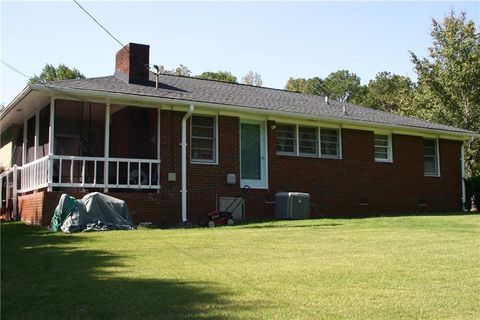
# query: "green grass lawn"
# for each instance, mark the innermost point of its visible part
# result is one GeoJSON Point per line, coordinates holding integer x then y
{"type": "Point", "coordinates": [416, 267]}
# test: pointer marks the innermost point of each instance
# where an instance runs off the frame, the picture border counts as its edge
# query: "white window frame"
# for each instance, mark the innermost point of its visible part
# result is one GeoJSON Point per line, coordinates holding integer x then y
{"type": "Point", "coordinates": [339, 153]}
{"type": "Point", "coordinates": [317, 145]}
{"type": "Point", "coordinates": [437, 158]}
{"type": "Point", "coordinates": [215, 144]}
{"type": "Point", "coordinates": [295, 145]}
{"type": "Point", "coordinates": [319, 154]}
{"type": "Point", "coordinates": [389, 147]}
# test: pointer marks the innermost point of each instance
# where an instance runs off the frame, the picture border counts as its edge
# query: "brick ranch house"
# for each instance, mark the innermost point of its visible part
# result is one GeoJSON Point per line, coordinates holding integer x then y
{"type": "Point", "coordinates": [167, 151]}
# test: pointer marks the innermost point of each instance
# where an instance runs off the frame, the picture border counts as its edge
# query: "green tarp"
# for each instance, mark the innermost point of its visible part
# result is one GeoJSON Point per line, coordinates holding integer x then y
{"type": "Point", "coordinates": [95, 211]}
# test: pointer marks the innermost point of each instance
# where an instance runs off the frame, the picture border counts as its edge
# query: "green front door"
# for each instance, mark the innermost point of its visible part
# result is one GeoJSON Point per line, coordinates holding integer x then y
{"type": "Point", "coordinates": [252, 154]}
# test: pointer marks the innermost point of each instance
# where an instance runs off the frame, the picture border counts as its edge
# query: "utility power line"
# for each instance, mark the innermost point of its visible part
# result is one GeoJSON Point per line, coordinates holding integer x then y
{"type": "Point", "coordinates": [110, 34]}
{"type": "Point", "coordinates": [99, 24]}
{"type": "Point", "coordinates": [8, 65]}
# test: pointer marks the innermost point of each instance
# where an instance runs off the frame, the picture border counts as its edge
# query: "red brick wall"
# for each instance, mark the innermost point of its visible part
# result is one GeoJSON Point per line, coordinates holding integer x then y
{"type": "Point", "coordinates": [335, 185]}
{"type": "Point", "coordinates": [38, 208]}
{"type": "Point", "coordinates": [31, 208]}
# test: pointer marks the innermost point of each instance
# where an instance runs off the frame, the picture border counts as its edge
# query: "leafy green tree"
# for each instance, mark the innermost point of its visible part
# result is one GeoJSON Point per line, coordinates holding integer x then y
{"type": "Point", "coordinates": [315, 86]}
{"type": "Point", "coordinates": [181, 70]}
{"type": "Point", "coordinates": [296, 85]}
{"type": "Point", "coordinates": [62, 72]}
{"type": "Point", "coordinates": [253, 79]}
{"type": "Point", "coordinates": [344, 86]}
{"type": "Point", "coordinates": [389, 92]}
{"type": "Point", "coordinates": [219, 76]}
{"type": "Point", "coordinates": [312, 85]}
{"type": "Point", "coordinates": [449, 80]}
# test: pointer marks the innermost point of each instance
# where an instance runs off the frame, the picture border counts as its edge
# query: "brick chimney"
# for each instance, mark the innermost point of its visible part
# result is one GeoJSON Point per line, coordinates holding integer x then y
{"type": "Point", "coordinates": [131, 63]}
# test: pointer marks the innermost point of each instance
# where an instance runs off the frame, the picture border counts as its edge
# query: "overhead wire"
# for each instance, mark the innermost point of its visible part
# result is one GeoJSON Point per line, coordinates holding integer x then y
{"type": "Point", "coordinates": [8, 65]}
{"type": "Point", "coordinates": [99, 24]}
{"type": "Point", "coordinates": [14, 69]}
{"type": "Point", "coordinates": [146, 66]}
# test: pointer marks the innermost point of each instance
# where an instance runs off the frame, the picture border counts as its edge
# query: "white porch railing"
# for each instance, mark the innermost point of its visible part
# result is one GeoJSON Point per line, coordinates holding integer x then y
{"type": "Point", "coordinates": [79, 172]}
{"type": "Point", "coordinates": [89, 172]}
{"type": "Point", "coordinates": [34, 175]}
{"type": "Point", "coordinates": [9, 188]}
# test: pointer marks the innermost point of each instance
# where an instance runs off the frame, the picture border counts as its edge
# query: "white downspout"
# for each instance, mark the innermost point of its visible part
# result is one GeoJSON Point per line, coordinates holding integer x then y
{"type": "Point", "coordinates": [462, 161]}
{"type": "Point", "coordinates": [184, 162]}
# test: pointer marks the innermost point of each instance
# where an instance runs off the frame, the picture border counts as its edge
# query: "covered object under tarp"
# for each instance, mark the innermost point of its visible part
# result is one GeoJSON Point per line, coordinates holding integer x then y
{"type": "Point", "coordinates": [95, 211]}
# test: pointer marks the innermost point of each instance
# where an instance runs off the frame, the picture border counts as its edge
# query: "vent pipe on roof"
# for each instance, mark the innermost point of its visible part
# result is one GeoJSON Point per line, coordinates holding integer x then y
{"type": "Point", "coordinates": [344, 110]}
{"type": "Point", "coordinates": [327, 100]}
{"type": "Point", "coordinates": [157, 74]}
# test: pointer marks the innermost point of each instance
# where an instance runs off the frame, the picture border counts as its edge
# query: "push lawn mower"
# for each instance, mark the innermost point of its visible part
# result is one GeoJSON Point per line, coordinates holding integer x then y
{"type": "Point", "coordinates": [225, 217]}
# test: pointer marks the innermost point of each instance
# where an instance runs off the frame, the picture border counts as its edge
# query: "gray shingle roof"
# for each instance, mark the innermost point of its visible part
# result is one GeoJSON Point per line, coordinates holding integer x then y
{"type": "Point", "coordinates": [216, 92]}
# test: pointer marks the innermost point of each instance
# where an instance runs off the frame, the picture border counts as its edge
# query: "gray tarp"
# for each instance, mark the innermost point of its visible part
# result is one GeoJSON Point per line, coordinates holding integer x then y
{"type": "Point", "coordinates": [95, 211]}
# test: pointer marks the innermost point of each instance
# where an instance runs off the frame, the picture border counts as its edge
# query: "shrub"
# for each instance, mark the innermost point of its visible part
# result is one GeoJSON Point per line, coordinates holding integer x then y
{"type": "Point", "coordinates": [472, 192]}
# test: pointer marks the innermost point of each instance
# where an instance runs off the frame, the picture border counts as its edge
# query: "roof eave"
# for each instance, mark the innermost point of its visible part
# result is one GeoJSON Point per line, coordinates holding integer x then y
{"type": "Point", "coordinates": [28, 88]}
{"type": "Point", "coordinates": [105, 95]}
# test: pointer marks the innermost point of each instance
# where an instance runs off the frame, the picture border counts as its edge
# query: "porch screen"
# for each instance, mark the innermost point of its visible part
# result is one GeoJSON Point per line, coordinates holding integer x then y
{"type": "Point", "coordinates": [250, 151]}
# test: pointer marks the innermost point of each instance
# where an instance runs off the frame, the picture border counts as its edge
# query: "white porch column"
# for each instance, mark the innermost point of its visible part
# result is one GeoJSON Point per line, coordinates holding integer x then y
{"type": "Point", "coordinates": [51, 128]}
{"type": "Point", "coordinates": [15, 191]}
{"type": "Point", "coordinates": [51, 141]}
{"type": "Point", "coordinates": [24, 144]}
{"type": "Point", "coordinates": [159, 110]}
{"type": "Point", "coordinates": [37, 132]}
{"type": "Point", "coordinates": [107, 146]}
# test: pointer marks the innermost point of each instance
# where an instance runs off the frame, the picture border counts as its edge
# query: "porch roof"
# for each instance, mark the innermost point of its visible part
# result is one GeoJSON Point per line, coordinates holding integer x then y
{"type": "Point", "coordinates": [190, 89]}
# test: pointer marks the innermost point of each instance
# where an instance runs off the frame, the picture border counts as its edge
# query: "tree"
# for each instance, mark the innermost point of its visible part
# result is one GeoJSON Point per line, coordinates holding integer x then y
{"type": "Point", "coordinates": [344, 86]}
{"type": "Point", "coordinates": [389, 92]}
{"type": "Point", "coordinates": [296, 85]}
{"type": "Point", "coordinates": [62, 72]}
{"type": "Point", "coordinates": [219, 76]}
{"type": "Point", "coordinates": [312, 85]}
{"type": "Point", "coordinates": [181, 70]}
{"type": "Point", "coordinates": [449, 80]}
{"type": "Point", "coordinates": [253, 79]}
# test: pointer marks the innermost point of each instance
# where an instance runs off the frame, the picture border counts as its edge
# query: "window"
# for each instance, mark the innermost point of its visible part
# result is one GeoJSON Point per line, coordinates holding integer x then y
{"type": "Point", "coordinates": [329, 146]}
{"type": "Point", "coordinates": [298, 140]}
{"type": "Point", "coordinates": [286, 139]}
{"type": "Point", "coordinates": [308, 141]}
{"type": "Point", "coordinates": [203, 139]}
{"type": "Point", "coordinates": [430, 157]}
{"type": "Point", "coordinates": [383, 147]}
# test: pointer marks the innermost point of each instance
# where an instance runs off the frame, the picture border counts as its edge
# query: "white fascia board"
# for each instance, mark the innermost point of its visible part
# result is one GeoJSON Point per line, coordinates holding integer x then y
{"type": "Point", "coordinates": [15, 101]}
{"type": "Point", "coordinates": [132, 99]}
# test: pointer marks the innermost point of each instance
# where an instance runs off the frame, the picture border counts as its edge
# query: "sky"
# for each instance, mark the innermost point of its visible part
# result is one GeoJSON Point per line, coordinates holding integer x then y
{"type": "Point", "coordinates": [275, 39]}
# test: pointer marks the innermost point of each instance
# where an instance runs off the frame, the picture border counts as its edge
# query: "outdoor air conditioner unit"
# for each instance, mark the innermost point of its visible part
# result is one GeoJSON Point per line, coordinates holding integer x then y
{"type": "Point", "coordinates": [292, 205]}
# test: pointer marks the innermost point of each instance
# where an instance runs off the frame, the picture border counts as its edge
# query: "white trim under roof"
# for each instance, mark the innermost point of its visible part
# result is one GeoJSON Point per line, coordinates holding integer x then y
{"type": "Point", "coordinates": [101, 96]}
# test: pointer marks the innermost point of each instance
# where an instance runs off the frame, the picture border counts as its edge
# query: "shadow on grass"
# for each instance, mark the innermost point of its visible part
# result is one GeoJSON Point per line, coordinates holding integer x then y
{"type": "Point", "coordinates": [44, 278]}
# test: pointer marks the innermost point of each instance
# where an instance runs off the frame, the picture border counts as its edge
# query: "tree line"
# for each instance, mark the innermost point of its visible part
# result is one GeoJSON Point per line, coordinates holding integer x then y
{"type": "Point", "coordinates": [447, 89]}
